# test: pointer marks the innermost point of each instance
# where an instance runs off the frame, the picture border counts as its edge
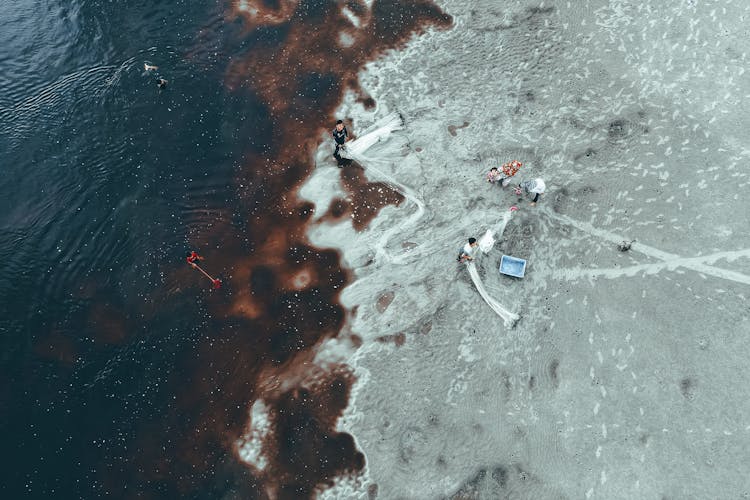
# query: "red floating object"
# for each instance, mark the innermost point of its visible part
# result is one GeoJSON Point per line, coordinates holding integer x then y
{"type": "Point", "coordinates": [192, 259]}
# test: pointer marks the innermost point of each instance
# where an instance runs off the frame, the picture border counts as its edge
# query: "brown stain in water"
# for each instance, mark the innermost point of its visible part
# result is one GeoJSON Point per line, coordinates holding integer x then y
{"type": "Point", "coordinates": [280, 298]}
{"type": "Point", "coordinates": [366, 198]}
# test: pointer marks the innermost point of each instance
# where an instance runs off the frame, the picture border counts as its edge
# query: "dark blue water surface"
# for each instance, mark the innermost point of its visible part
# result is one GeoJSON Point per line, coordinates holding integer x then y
{"type": "Point", "coordinates": [121, 373]}
{"type": "Point", "coordinates": [103, 179]}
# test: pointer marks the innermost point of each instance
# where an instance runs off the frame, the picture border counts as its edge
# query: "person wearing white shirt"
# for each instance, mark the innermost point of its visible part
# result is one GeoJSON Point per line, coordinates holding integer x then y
{"type": "Point", "coordinates": [468, 251]}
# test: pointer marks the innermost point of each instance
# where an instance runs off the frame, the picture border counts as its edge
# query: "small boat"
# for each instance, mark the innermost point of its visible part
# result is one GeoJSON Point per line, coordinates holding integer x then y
{"type": "Point", "coordinates": [512, 266]}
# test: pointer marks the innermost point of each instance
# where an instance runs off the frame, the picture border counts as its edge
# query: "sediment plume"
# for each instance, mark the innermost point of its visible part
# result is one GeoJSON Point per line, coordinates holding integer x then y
{"type": "Point", "coordinates": [280, 298]}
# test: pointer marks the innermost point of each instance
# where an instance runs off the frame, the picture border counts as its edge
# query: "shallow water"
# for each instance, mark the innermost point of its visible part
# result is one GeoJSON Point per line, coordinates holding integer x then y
{"type": "Point", "coordinates": [105, 183]}
{"type": "Point", "coordinates": [122, 371]}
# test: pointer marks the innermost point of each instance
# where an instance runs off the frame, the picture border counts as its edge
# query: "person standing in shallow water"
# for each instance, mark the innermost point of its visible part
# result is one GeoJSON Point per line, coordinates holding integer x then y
{"type": "Point", "coordinates": [340, 136]}
{"type": "Point", "coordinates": [160, 82]}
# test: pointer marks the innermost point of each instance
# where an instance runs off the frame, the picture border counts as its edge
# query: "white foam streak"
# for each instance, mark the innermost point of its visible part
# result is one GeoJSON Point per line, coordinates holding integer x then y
{"type": "Point", "coordinates": [250, 445]}
{"type": "Point", "coordinates": [670, 261]}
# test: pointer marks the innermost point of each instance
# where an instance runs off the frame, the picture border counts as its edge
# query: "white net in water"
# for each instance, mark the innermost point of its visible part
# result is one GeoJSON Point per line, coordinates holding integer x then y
{"type": "Point", "coordinates": [508, 317]}
{"type": "Point", "coordinates": [379, 131]}
{"type": "Point", "coordinates": [382, 156]}
{"type": "Point", "coordinates": [376, 163]}
{"type": "Point", "coordinates": [486, 242]}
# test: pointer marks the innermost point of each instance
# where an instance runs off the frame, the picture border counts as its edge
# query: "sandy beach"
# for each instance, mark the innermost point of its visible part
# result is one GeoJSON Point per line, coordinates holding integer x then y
{"type": "Point", "coordinates": [624, 377]}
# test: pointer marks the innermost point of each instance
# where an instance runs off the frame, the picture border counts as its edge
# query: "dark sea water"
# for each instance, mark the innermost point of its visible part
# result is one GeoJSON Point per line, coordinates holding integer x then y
{"type": "Point", "coordinates": [122, 373]}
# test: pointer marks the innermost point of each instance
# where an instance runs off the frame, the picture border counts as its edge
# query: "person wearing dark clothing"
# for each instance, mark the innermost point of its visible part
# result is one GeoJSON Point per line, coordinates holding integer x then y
{"type": "Point", "coordinates": [340, 136]}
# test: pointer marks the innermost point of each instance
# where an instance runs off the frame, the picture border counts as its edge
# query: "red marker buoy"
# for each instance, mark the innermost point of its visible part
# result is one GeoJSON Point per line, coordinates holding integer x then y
{"type": "Point", "coordinates": [193, 260]}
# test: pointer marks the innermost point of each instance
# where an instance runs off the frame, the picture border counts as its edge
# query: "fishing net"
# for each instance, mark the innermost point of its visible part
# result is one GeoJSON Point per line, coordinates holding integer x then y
{"type": "Point", "coordinates": [379, 131]}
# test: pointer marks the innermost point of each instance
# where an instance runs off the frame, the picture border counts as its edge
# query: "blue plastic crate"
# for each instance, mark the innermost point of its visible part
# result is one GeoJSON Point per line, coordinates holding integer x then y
{"type": "Point", "coordinates": [512, 266]}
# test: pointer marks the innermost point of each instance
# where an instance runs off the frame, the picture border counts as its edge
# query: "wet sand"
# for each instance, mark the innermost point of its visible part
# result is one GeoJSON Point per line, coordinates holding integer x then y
{"type": "Point", "coordinates": [624, 377]}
